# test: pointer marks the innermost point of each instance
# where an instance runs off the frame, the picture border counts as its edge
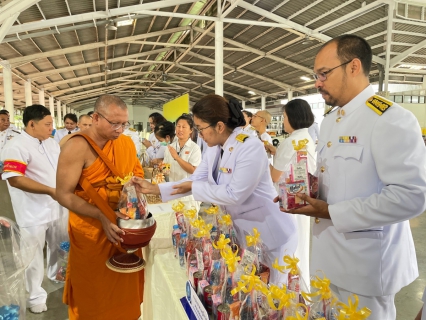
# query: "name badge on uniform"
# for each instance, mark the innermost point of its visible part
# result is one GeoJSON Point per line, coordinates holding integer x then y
{"type": "Point", "coordinates": [347, 139]}
{"type": "Point", "coordinates": [225, 170]}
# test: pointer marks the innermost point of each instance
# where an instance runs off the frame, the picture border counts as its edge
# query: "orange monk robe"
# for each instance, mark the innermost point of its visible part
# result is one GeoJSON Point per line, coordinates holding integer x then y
{"type": "Point", "coordinates": [92, 291]}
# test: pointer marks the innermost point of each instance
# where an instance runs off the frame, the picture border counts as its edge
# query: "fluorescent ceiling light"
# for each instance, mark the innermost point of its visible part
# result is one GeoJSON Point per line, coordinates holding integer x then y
{"type": "Point", "coordinates": [251, 92]}
{"type": "Point", "coordinates": [410, 66]}
{"type": "Point", "coordinates": [284, 101]}
{"type": "Point", "coordinates": [305, 78]}
{"type": "Point", "coordinates": [124, 23]}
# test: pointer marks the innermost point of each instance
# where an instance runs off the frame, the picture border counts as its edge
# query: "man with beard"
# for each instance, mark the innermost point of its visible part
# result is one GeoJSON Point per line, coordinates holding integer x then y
{"type": "Point", "coordinates": [372, 180]}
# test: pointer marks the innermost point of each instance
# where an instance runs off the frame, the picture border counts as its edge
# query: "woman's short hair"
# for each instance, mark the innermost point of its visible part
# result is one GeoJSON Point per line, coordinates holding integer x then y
{"type": "Point", "coordinates": [248, 113]}
{"type": "Point", "coordinates": [299, 114]}
{"type": "Point", "coordinates": [188, 118]}
{"type": "Point", "coordinates": [157, 117]}
{"type": "Point", "coordinates": [164, 129]}
{"type": "Point", "coordinates": [214, 108]}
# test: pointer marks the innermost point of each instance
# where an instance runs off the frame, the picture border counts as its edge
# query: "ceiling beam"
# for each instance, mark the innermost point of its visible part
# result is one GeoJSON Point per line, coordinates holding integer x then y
{"type": "Point", "coordinates": [11, 8]}
{"type": "Point", "coordinates": [7, 23]}
{"type": "Point", "coordinates": [29, 58]}
{"type": "Point", "coordinates": [406, 53]}
{"type": "Point", "coordinates": [31, 26]}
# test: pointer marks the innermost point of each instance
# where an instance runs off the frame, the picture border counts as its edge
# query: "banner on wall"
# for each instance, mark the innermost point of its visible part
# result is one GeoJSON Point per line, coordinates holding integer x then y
{"type": "Point", "coordinates": [174, 109]}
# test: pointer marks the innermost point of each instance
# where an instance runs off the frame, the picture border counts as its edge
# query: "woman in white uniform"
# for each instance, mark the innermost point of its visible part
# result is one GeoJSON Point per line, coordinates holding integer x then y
{"type": "Point", "coordinates": [152, 145]}
{"type": "Point", "coordinates": [234, 173]}
{"type": "Point", "coordinates": [183, 154]}
{"type": "Point", "coordinates": [298, 117]}
{"type": "Point", "coordinates": [248, 127]}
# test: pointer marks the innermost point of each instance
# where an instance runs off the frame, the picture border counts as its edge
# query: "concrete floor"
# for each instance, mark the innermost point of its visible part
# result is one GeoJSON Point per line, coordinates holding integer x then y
{"type": "Point", "coordinates": [408, 300]}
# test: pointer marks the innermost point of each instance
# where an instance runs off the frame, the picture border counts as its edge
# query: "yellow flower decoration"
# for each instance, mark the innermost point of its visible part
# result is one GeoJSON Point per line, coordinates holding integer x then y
{"type": "Point", "coordinates": [254, 239]}
{"type": "Point", "coordinates": [212, 210]}
{"type": "Point", "coordinates": [179, 206]}
{"type": "Point", "coordinates": [350, 312]}
{"type": "Point", "coordinates": [226, 220]}
{"type": "Point", "coordinates": [300, 145]}
{"type": "Point", "coordinates": [126, 179]}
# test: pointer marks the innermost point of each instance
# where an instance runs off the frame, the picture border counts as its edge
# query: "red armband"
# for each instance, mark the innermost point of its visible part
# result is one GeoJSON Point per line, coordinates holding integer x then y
{"type": "Point", "coordinates": [14, 166]}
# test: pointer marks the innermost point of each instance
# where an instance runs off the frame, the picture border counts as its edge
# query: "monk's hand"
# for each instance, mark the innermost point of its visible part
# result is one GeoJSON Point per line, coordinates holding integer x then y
{"type": "Point", "coordinates": [111, 230]}
{"type": "Point", "coordinates": [173, 152]}
{"type": "Point", "coordinates": [316, 208]}
{"type": "Point", "coordinates": [4, 223]}
{"type": "Point", "coordinates": [182, 188]}
{"type": "Point", "coordinates": [145, 187]}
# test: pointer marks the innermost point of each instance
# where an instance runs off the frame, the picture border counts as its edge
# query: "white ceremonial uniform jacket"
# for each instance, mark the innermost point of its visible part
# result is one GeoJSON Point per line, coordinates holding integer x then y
{"type": "Point", "coordinates": [156, 150]}
{"type": "Point", "coordinates": [250, 130]}
{"type": "Point", "coordinates": [373, 186]}
{"type": "Point", "coordinates": [134, 135]}
{"type": "Point", "coordinates": [7, 135]}
{"type": "Point", "coordinates": [59, 134]}
{"type": "Point", "coordinates": [27, 156]}
{"type": "Point", "coordinates": [243, 187]}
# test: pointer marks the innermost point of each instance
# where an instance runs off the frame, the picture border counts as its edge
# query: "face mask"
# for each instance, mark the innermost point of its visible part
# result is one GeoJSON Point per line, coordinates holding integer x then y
{"type": "Point", "coordinates": [164, 143]}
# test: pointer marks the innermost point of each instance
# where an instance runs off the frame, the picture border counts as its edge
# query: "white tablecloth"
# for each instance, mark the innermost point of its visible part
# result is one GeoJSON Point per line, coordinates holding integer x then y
{"type": "Point", "coordinates": [164, 278]}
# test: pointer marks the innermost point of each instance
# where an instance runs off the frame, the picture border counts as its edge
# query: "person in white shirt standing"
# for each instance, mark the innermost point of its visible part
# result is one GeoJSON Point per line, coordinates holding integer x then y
{"type": "Point", "coordinates": [248, 128]}
{"type": "Point", "coordinates": [70, 122]}
{"type": "Point", "coordinates": [133, 134]}
{"type": "Point", "coordinates": [152, 145]}
{"type": "Point", "coordinates": [314, 131]}
{"type": "Point", "coordinates": [7, 133]}
{"type": "Point", "coordinates": [184, 155]}
{"type": "Point", "coordinates": [30, 163]}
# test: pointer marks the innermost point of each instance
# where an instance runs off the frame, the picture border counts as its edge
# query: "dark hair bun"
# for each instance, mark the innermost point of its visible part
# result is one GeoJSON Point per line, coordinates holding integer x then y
{"type": "Point", "coordinates": [236, 118]}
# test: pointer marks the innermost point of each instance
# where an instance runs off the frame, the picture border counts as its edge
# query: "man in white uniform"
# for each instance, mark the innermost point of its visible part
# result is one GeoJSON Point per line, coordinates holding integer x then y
{"type": "Point", "coordinates": [133, 134]}
{"type": "Point", "coordinates": [12, 125]}
{"type": "Point", "coordinates": [70, 122]}
{"type": "Point", "coordinates": [30, 162]}
{"type": "Point", "coordinates": [7, 133]}
{"type": "Point", "coordinates": [372, 179]}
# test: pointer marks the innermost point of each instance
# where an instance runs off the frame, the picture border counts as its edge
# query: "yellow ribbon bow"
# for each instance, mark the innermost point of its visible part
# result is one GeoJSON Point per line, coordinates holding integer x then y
{"type": "Point", "coordinates": [350, 312]}
{"type": "Point", "coordinates": [165, 166]}
{"type": "Point", "coordinates": [221, 243]}
{"type": "Point", "coordinates": [281, 295]}
{"type": "Point", "coordinates": [126, 179]}
{"type": "Point", "coordinates": [323, 286]}
{"type": "Point", "coordinates": [291, 265]}
{"type": "Point", "coordinates": [299, 316]}
{"type": "Point", "coordinates": [190, 213]}
{"type": "Point", "coordinates": [231, 258]}
{"type": "Point", "coordinates": [179, 206]}
{"type": "Point", "coordinates": [204, 231]}
{"type": "Point", "coordinates": [254, 239]}
{"type": "Point", "coordinates": [249, 282]}
{"type": "Point", "coordinates": [300, 144]}
{"type": "Point", "coordinates": [226, 220]}
{"type": "Point", "coordinates": [197, 223]}
{"type": "Point", "coordinates": [212, 210]}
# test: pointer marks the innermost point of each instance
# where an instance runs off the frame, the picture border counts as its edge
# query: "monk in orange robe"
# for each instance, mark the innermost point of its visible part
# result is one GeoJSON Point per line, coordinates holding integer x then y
{"type": "Point", "coordinates": [92, 291]}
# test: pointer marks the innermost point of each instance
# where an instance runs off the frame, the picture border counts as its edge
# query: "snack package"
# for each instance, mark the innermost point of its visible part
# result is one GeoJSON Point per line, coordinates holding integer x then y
{"type": "Point", "coordinates": [132, 203]}
{"type": "Point", "coordinates": [17, 249]}
{"type": "Point", "coordinates": [63, 250]}
{"type": "Point", "coordinates": [297, 179]}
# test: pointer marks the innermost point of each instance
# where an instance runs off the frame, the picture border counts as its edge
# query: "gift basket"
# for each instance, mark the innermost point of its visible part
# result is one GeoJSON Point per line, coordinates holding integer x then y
{"type": "Point", "coordinates": [139, 228]}
{"type": "Point", "coordinates": [63, 248]}
{"type": "Point", "coordinates": [296, 178]}
{"type": "Point", "coordinates": [233, 281]}
{"type": "Point", "coordinates": [16, 252]}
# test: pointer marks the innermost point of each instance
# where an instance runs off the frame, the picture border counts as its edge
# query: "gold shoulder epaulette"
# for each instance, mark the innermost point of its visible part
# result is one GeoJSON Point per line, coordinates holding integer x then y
{"type": "Point", "coordinates": [131, 129]}
{"type": "Point", "coordinates": [378, 104]}
{"type": "Point", "coordinates": [241, 137]}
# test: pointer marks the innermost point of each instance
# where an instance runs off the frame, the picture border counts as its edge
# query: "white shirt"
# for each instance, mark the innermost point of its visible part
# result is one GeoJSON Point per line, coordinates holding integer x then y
{"type": "Point", "coordinates": [266, 137]}
{"type": "Point", "coordinates": [133, 134]}
{"type": "Point", "coordinates": [248, 129]}
{"type": "Point", "coordinates": [59, 134]}
{"type": "Point", "coordinates": [202, 145]}
{"type": "Point", "coordinates": [373, 186]}
{"type": "Point", "coordinates": [156, 150]}
{"type": "Point", "coordinates": [190, 152]}
{"type": "Point", "coordinates": [314, 131]}
{"type": "Point", "coordinates": [7, 135]}
{"type": "Point", "coordinates": [243, 187]}
{"type": "Point", "coordinates": [27, 156]}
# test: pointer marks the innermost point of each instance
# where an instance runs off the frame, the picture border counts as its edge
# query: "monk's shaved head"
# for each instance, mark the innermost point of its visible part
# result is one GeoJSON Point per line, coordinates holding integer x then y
{"type": "Point", "coordinates": [106, 100]}
{"type": "Point", "coordinates": [265, 115]}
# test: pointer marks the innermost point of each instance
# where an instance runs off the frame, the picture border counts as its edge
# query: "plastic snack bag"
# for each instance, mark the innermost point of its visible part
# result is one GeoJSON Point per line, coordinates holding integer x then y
{"type": "Point", "coordinates": [297, 179]}
{"type": "Point", "coordinates": [17, 249]}
{"type": "Point", "coordinates": [132, 203]}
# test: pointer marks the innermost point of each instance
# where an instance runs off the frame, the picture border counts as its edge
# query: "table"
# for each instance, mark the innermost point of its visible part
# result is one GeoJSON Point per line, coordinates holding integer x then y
{"type": "Point", "coordinates": [164, 279]}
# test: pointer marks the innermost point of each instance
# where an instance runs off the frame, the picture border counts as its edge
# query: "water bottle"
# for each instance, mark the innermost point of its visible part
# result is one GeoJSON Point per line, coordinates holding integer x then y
{"type": "Point", "coordinates": [176, 230]}
{"type": "Point", "coordinates": [182, 249]}
{"type": "Point", "coordinates": [215, 276]}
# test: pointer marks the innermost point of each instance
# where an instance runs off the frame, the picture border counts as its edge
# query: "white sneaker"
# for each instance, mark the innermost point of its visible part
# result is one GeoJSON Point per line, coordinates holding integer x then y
{"type": "Point", "coordinates": [38, 308]}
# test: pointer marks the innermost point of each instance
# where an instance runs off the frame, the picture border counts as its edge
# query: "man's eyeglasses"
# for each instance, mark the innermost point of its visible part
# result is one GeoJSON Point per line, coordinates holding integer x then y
{"type": "Point", "coordinates": [116, 126]}
{"type": "Point", "coordinates": [256, 116]}
{"type": "Point", "coordinates": [322, 76]}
